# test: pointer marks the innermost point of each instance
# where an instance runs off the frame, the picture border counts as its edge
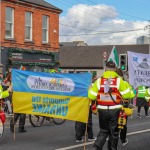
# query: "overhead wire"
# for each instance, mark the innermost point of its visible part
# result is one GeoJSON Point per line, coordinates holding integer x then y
{"type": "Point", "coordinates": [102, 24]}
{"type": "Point", "coordinates": [110, 9]}
{"type": "Point", "coordinates": [102, 33]}
{"type": "Point", "coordinates": [144, 19]}
{"type": "Point", "coordinates": [97, 32]}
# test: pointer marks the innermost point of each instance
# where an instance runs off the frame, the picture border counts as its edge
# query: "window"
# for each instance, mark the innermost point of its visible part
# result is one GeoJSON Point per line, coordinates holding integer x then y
{"type": "Point", "coordinates": [9, 20]}
{"type": "Point", "coordinates": [28, 26]}
{"type": "Point", "coordinates": [45, 29]}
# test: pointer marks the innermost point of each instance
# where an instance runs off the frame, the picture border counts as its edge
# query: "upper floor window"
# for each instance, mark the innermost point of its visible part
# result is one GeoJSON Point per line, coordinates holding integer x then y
{"type": "Point", "coordinates": [9, 21]}
{"type": "Point", "coordinates": [28, 26]}
{"type": "Point", "coordinates": [45, 28]}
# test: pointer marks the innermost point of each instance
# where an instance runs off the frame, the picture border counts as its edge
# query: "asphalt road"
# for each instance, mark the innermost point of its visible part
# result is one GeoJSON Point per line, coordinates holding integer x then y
{"type": "Point", "coordinates": [62, 137]}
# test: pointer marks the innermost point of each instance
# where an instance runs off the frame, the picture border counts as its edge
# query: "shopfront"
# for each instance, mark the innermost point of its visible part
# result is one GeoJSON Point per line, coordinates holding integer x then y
{"type": "Point", "coordinates": [34, 60]}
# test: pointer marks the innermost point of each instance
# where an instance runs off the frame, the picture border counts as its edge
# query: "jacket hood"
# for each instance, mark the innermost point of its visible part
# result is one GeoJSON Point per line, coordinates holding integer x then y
{"type": "Point", "coordinates": [110, 74]}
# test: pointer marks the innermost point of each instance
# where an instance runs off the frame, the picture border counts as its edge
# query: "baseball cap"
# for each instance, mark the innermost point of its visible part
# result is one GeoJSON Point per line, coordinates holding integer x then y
{"type": "Point", "coordinates": [110, 64]}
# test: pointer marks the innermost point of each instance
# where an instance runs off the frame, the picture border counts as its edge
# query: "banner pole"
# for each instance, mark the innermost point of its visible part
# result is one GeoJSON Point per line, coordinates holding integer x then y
{"type": "Point", "coordinates": [85, 136]}
{"type": "Point", "coordinates": [14, 128]}
{"type": "Point", "coordinates": [86, 128]}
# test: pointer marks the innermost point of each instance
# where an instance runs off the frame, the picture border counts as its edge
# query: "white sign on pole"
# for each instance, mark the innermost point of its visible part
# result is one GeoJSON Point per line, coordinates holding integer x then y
{"type": "Point", "coordinates": [139, 69]}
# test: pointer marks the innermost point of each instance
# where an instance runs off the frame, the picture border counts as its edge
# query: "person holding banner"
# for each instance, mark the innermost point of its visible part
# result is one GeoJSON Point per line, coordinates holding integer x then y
{"type": "Point", "coordinates": [22, 118]}
{"type": "Point", "coordinates": [106, 91]}
{"type": "Point", "coordinates": [80, 129]}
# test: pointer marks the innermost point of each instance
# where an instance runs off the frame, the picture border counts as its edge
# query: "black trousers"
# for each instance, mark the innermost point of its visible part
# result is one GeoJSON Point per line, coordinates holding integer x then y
{"type": "Point", "coordinates": [108, 120]}
{"type": "Point", "coordinates": [145, 108]}
{"type": "Point", "coordinates": [123, 135]}
{"type": "Point", "coordinates": [80, 128]}
{"type": "Point", "coordinates": [22, 118]}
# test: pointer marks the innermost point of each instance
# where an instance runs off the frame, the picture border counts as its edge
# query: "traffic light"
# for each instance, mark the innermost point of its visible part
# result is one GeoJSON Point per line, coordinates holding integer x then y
{"type": "Point", "coordinates": [123, 61]}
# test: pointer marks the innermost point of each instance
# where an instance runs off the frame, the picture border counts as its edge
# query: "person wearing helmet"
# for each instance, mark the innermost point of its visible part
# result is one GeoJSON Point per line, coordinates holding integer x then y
{"type": "Point", "coordinates": [106, 91]}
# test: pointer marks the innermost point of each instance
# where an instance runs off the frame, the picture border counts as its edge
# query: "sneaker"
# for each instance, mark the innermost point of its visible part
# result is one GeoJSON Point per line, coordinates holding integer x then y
{"type": "Point", "coordinates": [79, 141]}
{"type": "Point", "coordinates": [148, 115]}
{"type": "Point", "coordinates": [22, 130]}
{"type": "Point", "coordinates": [92, 139]}
{"type": "Point", "coordinates": [138, 116]}
{"type": "Point", "coordinates": [10, 114]}
{"type": "Point", "coordinates": [125, 143]}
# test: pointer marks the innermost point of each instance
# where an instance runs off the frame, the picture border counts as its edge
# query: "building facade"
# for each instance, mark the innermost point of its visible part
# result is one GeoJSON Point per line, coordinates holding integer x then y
{"type": "Point", "coordinates": [29, 34]}
{"type": "Point", "coordinates": [91, 58]}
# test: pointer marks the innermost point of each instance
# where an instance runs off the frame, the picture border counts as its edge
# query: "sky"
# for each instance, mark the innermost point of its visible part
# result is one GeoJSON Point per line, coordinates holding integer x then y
{"type": "Point", "coordinates": [103, 22]}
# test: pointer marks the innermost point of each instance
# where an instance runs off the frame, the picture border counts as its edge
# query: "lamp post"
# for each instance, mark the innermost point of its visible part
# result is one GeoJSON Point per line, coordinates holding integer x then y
{"type": "Point", "coordinates": [147, 29]}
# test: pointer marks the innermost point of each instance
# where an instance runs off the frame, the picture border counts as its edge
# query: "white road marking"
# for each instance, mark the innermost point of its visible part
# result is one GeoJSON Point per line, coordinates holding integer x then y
{"type": "Point", "coordinates": [89, 143]}
{"type": "Point", "coordinates": [75, 146]}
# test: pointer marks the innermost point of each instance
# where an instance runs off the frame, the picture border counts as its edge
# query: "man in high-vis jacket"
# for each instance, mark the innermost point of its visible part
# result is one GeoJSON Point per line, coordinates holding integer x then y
{"type": "Point", "coordinates": [107, 91]}
{"type": "Point", "coordinates": [141, 100]}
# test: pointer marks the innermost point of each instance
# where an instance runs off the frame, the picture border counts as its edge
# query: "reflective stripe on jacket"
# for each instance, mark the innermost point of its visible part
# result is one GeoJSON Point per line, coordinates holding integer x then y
{"type": "Point", "coordinates": [141, 91]}
{"type": "Point", "coordinates": [147, 94]}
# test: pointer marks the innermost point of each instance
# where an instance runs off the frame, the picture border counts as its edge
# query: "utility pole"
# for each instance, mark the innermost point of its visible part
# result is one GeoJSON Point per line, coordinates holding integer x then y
{"type": "Point", "coordinates": [147, 29]}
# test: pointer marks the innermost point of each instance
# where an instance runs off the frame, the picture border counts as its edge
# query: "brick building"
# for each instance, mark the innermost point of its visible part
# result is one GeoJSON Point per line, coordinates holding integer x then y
{"type": "Point", "coordinates": [29, 34]}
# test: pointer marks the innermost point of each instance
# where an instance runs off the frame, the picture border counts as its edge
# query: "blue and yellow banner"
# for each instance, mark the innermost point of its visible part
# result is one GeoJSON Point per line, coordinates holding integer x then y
{"type": "Point", "coordinates": [51, 94]}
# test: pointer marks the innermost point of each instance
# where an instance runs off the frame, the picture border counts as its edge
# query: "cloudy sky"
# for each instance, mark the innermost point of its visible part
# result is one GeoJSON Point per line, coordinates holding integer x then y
{"type": "Point", "coordinates": [103, 22]}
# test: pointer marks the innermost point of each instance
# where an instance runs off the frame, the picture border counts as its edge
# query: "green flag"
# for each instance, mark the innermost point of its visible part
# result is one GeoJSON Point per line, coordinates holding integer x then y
{"type": "Point", "coordinates": [114, 56]}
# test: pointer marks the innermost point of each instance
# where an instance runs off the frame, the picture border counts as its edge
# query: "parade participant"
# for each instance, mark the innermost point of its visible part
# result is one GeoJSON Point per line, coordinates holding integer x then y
{"type": "Point", "coordinates": [5, 93]}
{"type": "Point", "coordinates": [147, 97]}
{"type": "Point", "coordinates": [141, 101]}
{"type": "Point", "coordinates": [21, 116]}
{"type": "Point", "coordinates": [123, 132]}
{"type": "Point", "coordinates": [55, 70]}
{"type": "Point", "coordinates": [13, 121]}
{"type": "Point", "coordinates": [8, 99]}
{"type": "Point", "coordinates": [106, 91]}
{"type": "Point", "coordinates": [80, 129]}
